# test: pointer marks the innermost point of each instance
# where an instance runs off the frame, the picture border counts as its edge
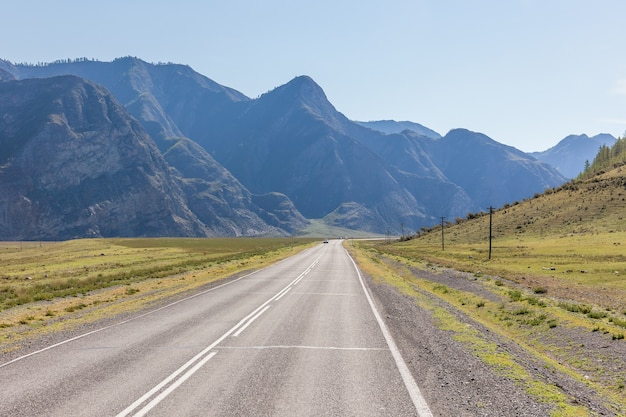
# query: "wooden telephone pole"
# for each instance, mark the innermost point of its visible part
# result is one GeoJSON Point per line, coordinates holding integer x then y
{"type": "Point", "coordinates": [490, 229]}
{"type": "Point", "coordinates": [442, 246]}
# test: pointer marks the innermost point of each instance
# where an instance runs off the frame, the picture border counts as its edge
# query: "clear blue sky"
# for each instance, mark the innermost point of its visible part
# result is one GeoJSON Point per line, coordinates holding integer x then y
{"type": "Point", "coordinates": [525, 72]}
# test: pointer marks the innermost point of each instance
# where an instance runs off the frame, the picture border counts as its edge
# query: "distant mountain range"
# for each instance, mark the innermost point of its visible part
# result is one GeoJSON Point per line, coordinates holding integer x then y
{"type": "Point", "coordinates": [570, 154]}
{"type": "Point", "coordinates": [391, 126]}
{"type": "Point", "coordinates": [128, 148]}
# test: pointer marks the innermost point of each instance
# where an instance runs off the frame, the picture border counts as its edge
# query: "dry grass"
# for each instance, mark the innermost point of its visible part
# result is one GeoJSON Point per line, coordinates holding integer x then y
{"type": "Point", "coordinates": [50, 286]}
{"type": "Point", "coordinates": [570, 241]}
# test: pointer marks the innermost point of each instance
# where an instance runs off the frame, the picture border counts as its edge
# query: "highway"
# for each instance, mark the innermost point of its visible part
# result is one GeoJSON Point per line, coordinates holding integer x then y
{"type": "Point", "coordinates": [299, 338]}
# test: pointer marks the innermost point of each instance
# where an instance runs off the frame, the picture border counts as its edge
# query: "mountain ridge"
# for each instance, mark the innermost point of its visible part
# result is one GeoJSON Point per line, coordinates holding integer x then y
{"type": "Point", "coordinates": [292, 141]}
{"type": "Point", "coordinates": [570, 154]}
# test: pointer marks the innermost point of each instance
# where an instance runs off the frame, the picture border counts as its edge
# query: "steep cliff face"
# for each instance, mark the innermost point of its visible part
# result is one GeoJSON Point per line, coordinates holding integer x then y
{"type": "Point", "coordinates": [74, 164]}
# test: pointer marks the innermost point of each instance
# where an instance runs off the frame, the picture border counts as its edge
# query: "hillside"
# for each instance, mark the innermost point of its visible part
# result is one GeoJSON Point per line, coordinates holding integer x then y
{"type": "Point", "coordinates": [594, 205]}
{"type": "Point", "coordinates": [569, 239]}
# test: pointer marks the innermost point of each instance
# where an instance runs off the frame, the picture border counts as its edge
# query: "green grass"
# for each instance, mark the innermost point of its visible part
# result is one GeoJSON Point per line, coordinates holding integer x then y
{"type": "Point", "coordinates": [56, 270]}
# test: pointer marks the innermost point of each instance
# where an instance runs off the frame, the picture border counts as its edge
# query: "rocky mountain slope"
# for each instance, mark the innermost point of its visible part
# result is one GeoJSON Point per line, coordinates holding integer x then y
{"type": "Point", "coordinates": [75, 164]}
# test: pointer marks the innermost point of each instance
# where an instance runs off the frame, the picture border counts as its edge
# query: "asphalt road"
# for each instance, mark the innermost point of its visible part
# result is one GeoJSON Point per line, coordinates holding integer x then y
{"type": "Point", "coordinates": [300, 338]}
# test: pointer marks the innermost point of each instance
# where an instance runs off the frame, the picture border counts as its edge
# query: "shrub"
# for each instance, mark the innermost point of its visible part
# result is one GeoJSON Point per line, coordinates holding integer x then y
{"type": "Point", "coordinates": [619, 322]}
{"type": "Point", "coordinates": [515, 295]}
{"type": "Point", "coordinates": [441, 288]}
{"type": "Point", "coordinates": [596, 314]}
{"type": "Point", "coordinates": [131, 291]}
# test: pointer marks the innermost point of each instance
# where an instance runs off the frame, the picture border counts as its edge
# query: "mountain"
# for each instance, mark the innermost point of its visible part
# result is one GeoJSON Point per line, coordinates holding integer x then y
{"type": "Point", "coordinates": [165, 98]}
{"type": "Point", "coordinates": [290, 152]}
{"type": "Point", "coordinates": [570, 154]}
{"type": "Point", "coordinates": [491, 173]}
{"type": "Point", "coordinates": [74, 164]}
{"type": "Point", "coordinates": [292, 140]}
{"type": "Point", "coordinates": [391, 126]}
{"type": "Point", "coordinates": [222, 203]}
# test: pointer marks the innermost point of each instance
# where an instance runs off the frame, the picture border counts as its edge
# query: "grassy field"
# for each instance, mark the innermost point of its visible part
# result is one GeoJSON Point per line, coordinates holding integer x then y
{"type": "Point", "coordinates": [48, 286]}
{"type": "Point", "coordinates": [585, 268]}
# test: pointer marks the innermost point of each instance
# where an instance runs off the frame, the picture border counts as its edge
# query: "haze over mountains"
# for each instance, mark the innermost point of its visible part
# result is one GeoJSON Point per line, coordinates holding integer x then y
{"type": "Point", "coordinates": [205, 160]}
{"type": "Point", "coordinates": [570, 154]}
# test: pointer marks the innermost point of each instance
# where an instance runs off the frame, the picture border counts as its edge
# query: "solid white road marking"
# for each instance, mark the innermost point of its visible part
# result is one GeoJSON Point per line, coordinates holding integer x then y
{"type": "Point", "coordinates": [281, 296]}
{"type": "Point", "coordinates": [249, 322]}
{"type": "Point", "coordinates": [418, 400]}
{"type": "Point", "coordinates": [175, 385]}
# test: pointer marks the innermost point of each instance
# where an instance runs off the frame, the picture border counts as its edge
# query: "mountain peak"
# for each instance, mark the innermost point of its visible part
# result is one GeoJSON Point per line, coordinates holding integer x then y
{"type": "Point", "coordinates": [302, 87]}
{"type": "Point", "coordinates": [304, 94]}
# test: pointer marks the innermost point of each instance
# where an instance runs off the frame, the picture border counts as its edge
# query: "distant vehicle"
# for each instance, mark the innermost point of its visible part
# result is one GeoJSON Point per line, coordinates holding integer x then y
{"type": "Point", "coordinates": [326, 241]}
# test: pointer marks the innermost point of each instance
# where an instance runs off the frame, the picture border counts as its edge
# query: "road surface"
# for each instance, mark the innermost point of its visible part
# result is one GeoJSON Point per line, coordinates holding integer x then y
{"type": "Point", "coordinates": [300, 338]}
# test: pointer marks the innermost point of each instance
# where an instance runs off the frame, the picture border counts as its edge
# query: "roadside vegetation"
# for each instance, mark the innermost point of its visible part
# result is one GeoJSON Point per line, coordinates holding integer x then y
{"type": "Point", "coordinates": [48, 286]}
{"type": "Point", "coordinates": [555, 285]}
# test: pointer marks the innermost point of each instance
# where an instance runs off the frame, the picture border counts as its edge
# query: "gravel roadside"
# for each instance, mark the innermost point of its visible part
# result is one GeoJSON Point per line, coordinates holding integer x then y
{"type": "Point", "coordinates": [454, 381]}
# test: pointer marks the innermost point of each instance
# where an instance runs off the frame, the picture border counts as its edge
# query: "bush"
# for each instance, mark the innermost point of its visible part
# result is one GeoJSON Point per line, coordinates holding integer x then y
{"type": "Point", "coordinates": [619, 322]}
{"type": "Point", "coordinates": [596, 314]}
{"type": "Point", "coordinates": [515, 295]}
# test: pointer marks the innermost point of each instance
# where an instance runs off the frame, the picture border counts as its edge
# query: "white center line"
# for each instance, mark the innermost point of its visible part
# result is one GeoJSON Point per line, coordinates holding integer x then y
{"type": "Point", "coordinates": [175, 385]}
{"type": "Point", "coordinates": [249, 322]}
{"type": "Point", "coordinates": [201, 358]}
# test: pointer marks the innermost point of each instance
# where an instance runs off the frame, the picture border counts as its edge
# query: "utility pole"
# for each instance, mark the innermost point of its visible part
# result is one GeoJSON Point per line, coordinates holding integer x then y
{"type": "Point", "coordinates": [442, 246]}
{"type": "Point", "coordinates": [490, 229]}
